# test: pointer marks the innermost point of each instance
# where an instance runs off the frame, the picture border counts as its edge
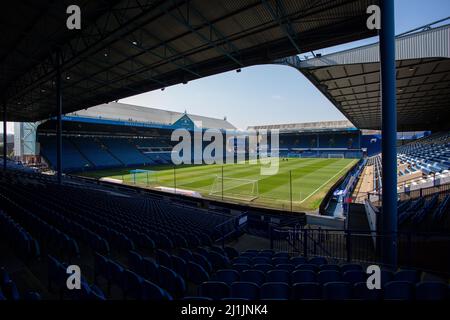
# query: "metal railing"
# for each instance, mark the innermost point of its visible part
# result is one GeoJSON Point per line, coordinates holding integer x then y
{"type": "Point", "coordinates": [425, 251]}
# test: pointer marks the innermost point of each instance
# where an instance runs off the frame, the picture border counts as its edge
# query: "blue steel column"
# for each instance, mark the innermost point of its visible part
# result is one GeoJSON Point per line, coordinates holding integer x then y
{"type": "Point", "coordinates": [389, 132]}
{"type": "Point", "coordinates": [58, 118]}
{"type": "Point", "coordinates": [5, 136]}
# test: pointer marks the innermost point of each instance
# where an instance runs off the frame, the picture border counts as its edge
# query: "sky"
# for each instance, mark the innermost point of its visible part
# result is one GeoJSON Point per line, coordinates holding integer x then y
{"type": "Point", "coordinates": [273, 94]}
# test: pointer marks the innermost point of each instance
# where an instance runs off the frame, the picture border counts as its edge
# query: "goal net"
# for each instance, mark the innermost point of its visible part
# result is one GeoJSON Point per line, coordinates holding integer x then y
{"type": "Point", "coordinates": [143, 177]}
{"type": "Point", "coordinates": [335, 156]}
{"type": "Point", "coordinates": [234, 188]}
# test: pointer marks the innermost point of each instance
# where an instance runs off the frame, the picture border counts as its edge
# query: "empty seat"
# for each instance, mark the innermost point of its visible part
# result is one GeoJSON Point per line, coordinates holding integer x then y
{"type": "Point", "coordinates": [282, 254]}
{"type": "Point", "coordinates": [398, 290]}
{"type": "Point", "coordinates": [303, 276]}
{"type": "Point", "coordinates": [163, 258]}
{"type": "Point", "coordinates": [196, 273]}
{"type": "Point", "coordinates": [245, 290]}
{"type": "Point", "coordinates": [132, 284]}
{"type": "Point", "coordinates": [278, 276]}
{"type": "Point", "coordinates": [254, 276]}
{"type": "Point", "coordinates": [179, 265]}
{"type": "Point", "coordinates": [307, 291]}
{"type": "Point", "coordinates": [261, 260]}
{"type": "Point", "coordinates": [337, 291]}
{"type": "Point", "coordinates": [275, 290]}
{"type": "Point", "coordinates": [151, 291]}
{"type": "Point", "coordinates": [171, 282]}
{"type": "Point", "coordinates": [241, 267]}
{"type": "Point", "coordinates": [307, 266]}
{"type": "Point", "coordinates": [318, 261]}
{"type": "Point", "coordinates": [350, 266]}
{"type": "Point", "coordinates": [218, 260]}
{"type": "Point", "coordinates": [135, 261]}
{"type": "Point", "coordinates": [203, 261]}
{"type": "Point", "coordinates": [263, 267]}
{"type": "Point", "coordinates": [298, 260]}
{"type": "Point", "coordinates": [432, 290]}
{"type": "Point", "coordinates": [407, 275]}
{"type": "Point", "coordinates": [150, 269]}
{"type": "Point", "coordinates": [10, 291]}
{"type": "Point", "coordinates": [215, 290]}
{"type": "Point", "coordinates": [285, 266]}
{"type": "Point", "coordinates": [354, 276]}
{"type": "Point", "coordinates": [328, 276]}
{"type": "Point", "coordinates": [242, 260]}
{"type": "Point", "coordinates": [280, 260]}
{"type": "Point", "coordinates": [227, 276]}
{"type": "Point", "coordinates": [333, 267]}
{"type": "Point", "coordinates": [386, 276]}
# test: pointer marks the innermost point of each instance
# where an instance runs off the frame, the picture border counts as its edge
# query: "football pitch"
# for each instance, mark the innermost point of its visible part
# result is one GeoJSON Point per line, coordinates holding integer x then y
{"type": "Point", "coordinates": [305, 180]}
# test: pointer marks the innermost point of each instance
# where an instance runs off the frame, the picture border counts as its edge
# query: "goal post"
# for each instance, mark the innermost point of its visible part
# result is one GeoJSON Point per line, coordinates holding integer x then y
{"type": "Point", "coordinates": [336, 156]}
{"type": "Point", "coordinates": [235, 188]}
{"type": "Point", "coordinates": [143, 177]}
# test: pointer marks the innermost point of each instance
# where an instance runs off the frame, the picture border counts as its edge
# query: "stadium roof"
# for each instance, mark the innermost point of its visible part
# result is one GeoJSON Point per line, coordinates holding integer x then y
{"type": "Point", "coordinates": [307, 126]}
{"type": "Point", "coordinates": [351, 81]}
{"type": "Point", "coordinates": [126, 47]}
{"type": "Point", "coordinates": [128, 112]}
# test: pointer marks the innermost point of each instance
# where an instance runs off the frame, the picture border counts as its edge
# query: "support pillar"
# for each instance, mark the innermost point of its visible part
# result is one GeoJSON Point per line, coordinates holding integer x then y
{"type": "Point", "coordinates": [58, 119]}
{"type": "Point", "coordinates": [389, 132]}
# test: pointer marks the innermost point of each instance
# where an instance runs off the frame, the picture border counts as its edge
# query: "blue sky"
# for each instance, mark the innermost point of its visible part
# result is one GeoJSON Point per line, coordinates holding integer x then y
{"type": "Point", "coordinates": [272, 94]}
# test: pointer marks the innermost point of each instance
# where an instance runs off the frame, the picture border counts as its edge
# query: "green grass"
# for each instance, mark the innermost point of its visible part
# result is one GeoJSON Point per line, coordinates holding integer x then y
{"type": "Point", "coordinates": [311, 179]}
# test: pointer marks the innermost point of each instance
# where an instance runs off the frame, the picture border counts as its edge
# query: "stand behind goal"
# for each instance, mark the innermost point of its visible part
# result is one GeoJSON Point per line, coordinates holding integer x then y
{"type": "Point", "coordinates": [234, 188]}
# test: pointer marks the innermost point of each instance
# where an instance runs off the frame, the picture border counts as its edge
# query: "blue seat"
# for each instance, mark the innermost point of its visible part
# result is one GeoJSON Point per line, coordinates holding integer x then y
{"type": "Point", "coordinates": [260, 260]}
{"type": "Point", "coordinates": [218, 260]}
{"type": "Point", "coordinates": [241, 267]}
{"type": "Point", "coordinates": [350, 266]}
{"type": "Point", "coordinates": [386, 276]}
{"type": "Point", "coordinates": [307, 291]}
{"type": "Point", "coordinates": [354, 276]}
{"type": "Point", "coordinates": [101, 267]}
{"type": "Point", "coordinates": [285, 266]}
{"type": "Point", "coordinates": [215, 290]}
{"type": "Point", "coordinates": [265, 254]}
{"type": "Point", "coordinates": [135, 261]}
{"type": "Point", "coordinates": [186, 254]}
{"type": "Point", "coordinates": [318, 261]}
{"type": "Point", "coordinates": [407, 275]}
{"type": "Point", "coordinates": [278, 276]}
{"type": "Point", "coordinates": [151, 291]}
{"type": "Point", "coordinates": [245, 290]}
{"type": "Point", "coordinates": [307, 266]}
{"type": "Point", "coordinates": [337, 291]}
{"type": "Point", "coordinates": [255, 276]}
{"type": "Point", "coordinates": [196, 273]}
{"type": "Point", "coordinates": [171, 282]}
{"type": "Point", "coordinates": [432, 290]}
{"type": "Point", "coordinates": [263, 267]}
{"type": "Point", "coordinates": [328, 276]}
{"type": "Point", "coordinates": [116, 272]}
{"type": "Point", "coordinates": [4, 276]}
{"type": "Point", "coordinates": [275, 290]}
{"type": "Point", "coordinates": [296, 261]}
{"type": "Point", "coordinates": [95, 293]}
{"type": "Point", "coordinates": [303, 276]}
{"type": "Point", "coordinates": [280, 260]}
{"type": "Point", "coordinates": [150, 269]}
{"type": "Point", "coordinates": [179, 265]}
{"type": "Point", "coordinates": [132, 284]}
{"type": "Point", "coordinates": [361, 292]}
{"type": "Point", "coordinates": [2, 296]}
{"type": "Point", "coordinates": [242, 260]}
{"type": "Point", "coordinates": [227, 276]}
{"type": "Point", "coordinates": [333, 267]}
{"type": "Point", "coordinates": [398, 290]}
{"type": "Point", "coordinates": [282, 254]}
{"type": "Point", "coordinates": [163, 258]}
{"type": "Point", "coordinates": [203, 261]}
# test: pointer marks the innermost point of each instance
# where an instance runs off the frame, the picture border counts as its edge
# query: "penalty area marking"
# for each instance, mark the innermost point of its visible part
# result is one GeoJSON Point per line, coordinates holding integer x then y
{"type": "Point", "coordinates": [325, 183]}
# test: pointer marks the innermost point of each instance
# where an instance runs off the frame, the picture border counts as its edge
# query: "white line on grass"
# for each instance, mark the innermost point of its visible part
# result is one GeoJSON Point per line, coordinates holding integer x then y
{"type": "Point", "coordinates": [325, 183]}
